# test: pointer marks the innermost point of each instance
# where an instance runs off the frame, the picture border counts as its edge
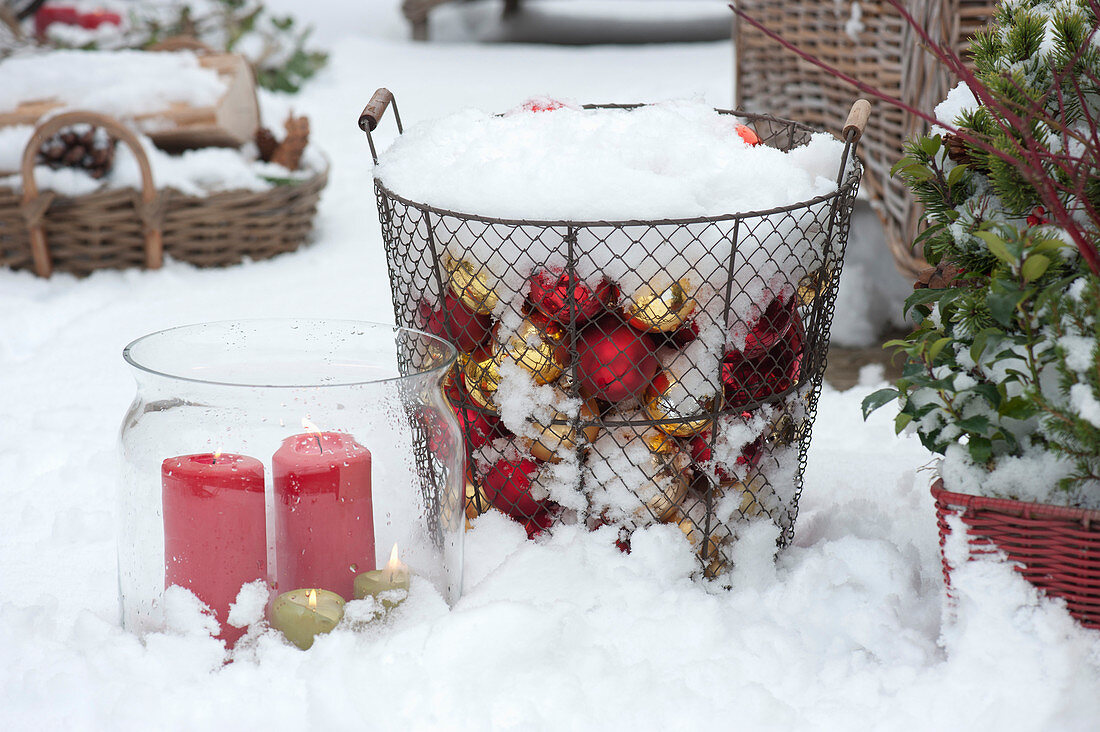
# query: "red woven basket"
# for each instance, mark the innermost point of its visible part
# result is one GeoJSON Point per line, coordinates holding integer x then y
{"type": "Point", "coordinates": [1056, 548]}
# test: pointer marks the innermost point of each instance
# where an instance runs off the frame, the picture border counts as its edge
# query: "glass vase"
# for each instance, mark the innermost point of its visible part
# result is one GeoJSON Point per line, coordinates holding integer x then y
{"type": "Point", "coordinates": [296, 452]}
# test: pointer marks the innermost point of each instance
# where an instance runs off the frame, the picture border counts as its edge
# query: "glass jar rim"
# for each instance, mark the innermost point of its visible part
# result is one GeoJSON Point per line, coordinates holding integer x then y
{"type": "Point", "coordinates": [449, 353]}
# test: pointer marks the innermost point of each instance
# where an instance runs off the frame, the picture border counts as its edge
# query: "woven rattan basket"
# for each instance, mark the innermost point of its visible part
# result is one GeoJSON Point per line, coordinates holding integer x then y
{"type": "Point", "coordinates": [885, 53]}
{"type": "Point", "coordinates": [1055, 548]}
{"type": "Point", "coordinates": [116, 229]}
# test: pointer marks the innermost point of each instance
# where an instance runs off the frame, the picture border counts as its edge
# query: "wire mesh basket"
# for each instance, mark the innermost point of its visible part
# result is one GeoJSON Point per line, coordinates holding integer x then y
{"type": "Point", "coordinates": [649, 418]}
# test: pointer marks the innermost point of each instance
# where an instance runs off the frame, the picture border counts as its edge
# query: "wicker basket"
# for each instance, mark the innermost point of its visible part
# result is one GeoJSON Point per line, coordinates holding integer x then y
{"type": "Point", "coordinates": [1055, 548]}
{"type": "Point", "coordinates": [885, 54]}
{"type": "Point", "coordinates": [116, 229]}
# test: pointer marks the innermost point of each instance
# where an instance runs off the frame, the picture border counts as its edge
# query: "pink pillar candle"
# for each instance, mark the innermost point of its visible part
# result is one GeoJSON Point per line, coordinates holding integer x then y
{"type": "Point", "coordinates": [324, 521]}
{"type": "Point", "coordinates": [215, 534]}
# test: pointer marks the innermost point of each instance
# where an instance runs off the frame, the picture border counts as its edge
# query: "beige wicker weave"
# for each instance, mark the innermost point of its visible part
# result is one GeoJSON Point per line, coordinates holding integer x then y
{"type": "Point", "coordinates": [116, 229]}
{"type": "Point", "coordinates": [885, 54]}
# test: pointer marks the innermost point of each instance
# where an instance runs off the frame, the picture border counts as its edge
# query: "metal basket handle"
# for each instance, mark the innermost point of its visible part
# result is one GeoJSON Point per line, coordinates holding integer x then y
{"type": "Point", "coordinates": [853, 130]}
{"type": "Point", "coordinates": [372, 114]}
{"type": "Point", "coordinates": [34, 206]}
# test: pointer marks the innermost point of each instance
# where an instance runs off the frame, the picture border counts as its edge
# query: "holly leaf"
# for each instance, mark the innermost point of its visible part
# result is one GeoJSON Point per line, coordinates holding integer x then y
{"type": "Point", "coordinates": [876, 399]}
{"type": "Point", "coordinates": [1002, 301]}
{"type": "Point", "coordinates": [1034, 267]}
{"type": "Point", "coordinates": [996, 245]}
{"type": "Point", "coordinates": [973, 424]}
{"type": "Point", "coordinates": [981, 449]}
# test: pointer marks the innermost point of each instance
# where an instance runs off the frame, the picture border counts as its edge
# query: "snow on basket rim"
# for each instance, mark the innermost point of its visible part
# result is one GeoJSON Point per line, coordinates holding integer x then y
{"type": "Point", "coordinates": [447, 141]}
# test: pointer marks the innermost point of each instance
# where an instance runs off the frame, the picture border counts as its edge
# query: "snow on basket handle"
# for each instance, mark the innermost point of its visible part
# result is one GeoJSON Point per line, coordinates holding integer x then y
{"type": "Point", "coordinates": [372, 114]}
{"type": "Point", "coordinates": [35, 205]}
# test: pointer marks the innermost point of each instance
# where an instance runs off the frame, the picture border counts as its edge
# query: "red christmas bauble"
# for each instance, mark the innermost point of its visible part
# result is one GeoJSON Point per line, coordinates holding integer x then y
{"type": "Point", "coordinates": [538, 523]}
{"type": "Point", "coordinates": [774, 324]}
{"type": "Point", "coordinates": [614, 361]}
{"type": "Point", "coordinates": [477, 427]}
{"type": "Point", "coordinates": [747, 134]}
{"type": "Point", "coordinates": [97, 18]}
{"type": "Point", "coordinates": [772, 372]}
{"type": "Point", "coordinates": [552, 290]}
{"type": "Point", "coordinates": [507, 485]}
{"type": "Point", "coordinates": [541, 104]}
{"type": "Point", "coordinates": [701, 454]}
{"type": "Point", "coordinates": [456, 323]}
{"type": "Point", "coordinates": [686, 334]}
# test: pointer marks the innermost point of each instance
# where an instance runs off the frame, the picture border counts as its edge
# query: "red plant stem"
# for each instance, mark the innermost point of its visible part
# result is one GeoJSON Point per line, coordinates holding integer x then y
{"type": "Point", "coordinates": [1028, 150]}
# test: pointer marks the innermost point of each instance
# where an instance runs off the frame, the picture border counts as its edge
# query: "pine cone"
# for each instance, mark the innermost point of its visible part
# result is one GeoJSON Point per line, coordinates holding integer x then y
{"type": "Point", "coordinates": [266, 143]}
{"type": "Point", "coordinates": [289, 152]}
{"type": "Point", "coordinates": [943, 275]}
{"type": "Point", "coordinates": [84, 147]}
{"type": "Point", "coordinates": [959, 151]}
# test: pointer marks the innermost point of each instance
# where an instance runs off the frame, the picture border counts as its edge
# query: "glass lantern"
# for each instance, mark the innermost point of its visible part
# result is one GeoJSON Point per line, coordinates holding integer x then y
{"type": "Point", "coordinates": [305, 453]}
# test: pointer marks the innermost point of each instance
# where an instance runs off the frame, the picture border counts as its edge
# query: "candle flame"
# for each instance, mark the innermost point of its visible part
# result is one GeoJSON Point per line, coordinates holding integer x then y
{"type": "Point", "coordinates": [314, 430]}
{"type": "Point", "coordinates": [394, 566]}
{"type": "Point", "coordinates": [311, 599]}
{"type": "Point", "coordinates": [394, 562]}
{"type": "Point", "coordinates": [214, 460]}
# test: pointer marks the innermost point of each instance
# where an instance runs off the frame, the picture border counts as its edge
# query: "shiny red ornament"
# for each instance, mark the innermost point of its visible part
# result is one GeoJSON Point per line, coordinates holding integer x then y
{"type": "Point", "coordinates": [699, 448]}
{"type": "Point", "coordinates": [96, 18]}
{"type": "Point", "coordinates": [772, 372]}
{"type": "Point", "coordinates": [614, 361]}
{"type": "Point", "coordinates": [455, 323]}
{"type": "Point", "coordinates": [1038, 217]}
{"type": "Point", "coordinates": [552, 292]}
{"type": "Point", "coordinates": [747, 134]}
{"type": "Point", "coordinates": [478, 427]}
{"type": "Point", "coordinates": [538, 523]}
{"type": "Point", "coordinates": [69, 15]}
{"type": "Point", "coordinates": [541, 104]}
{"type": "Point", "coordinates": [686, 335]}
{"type": "Point", "coordinates": [507, 485]}
{"type": "Point", "coordinates": [774, 325]}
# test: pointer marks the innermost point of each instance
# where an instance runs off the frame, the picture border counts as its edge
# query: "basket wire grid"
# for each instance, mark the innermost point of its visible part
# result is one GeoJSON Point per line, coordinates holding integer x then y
{"type": "Point", "coordinates": [769, 386]}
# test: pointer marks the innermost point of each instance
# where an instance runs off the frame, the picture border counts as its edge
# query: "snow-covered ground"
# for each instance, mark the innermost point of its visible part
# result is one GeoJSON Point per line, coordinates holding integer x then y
{"type": "Point", "coordinates": [846, 630]}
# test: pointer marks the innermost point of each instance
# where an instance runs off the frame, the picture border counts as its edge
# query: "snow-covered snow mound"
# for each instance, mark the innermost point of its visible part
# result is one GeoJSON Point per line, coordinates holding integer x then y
{"type": "Point", "coordinates": [674, 159]}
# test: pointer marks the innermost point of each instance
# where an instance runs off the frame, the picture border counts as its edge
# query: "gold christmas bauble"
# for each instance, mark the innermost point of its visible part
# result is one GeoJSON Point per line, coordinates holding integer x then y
{"type": "Point", "coordinates": [538, 347]}
{"type": "Point", "coordinates": [456, 372]}
{"type": "Point", "coordinates": [666, 400]}
{"type": "Point", "coordinates": [783, 432]}
{"type": "Point", "coordinates": [451, 511]}
{"type": "Point", "coordinates": [553, 440]}
{"type": "Point", "coordinates": [669, 477]}
{"type": "Point", "coordinates": [481, 377]}
{"type": "Point", "coordinates": [812, 285]}
{"type": "Point", "coordinates": [752, 495]}
{"type": "Point", "coordinates": [660, 306]}
{"type": "Point", "coordinates": [658, 441]}
{"type": "Point", "coordinates": [471, 283]}
{"type": "Point", "coordinates": [710, 552]}
{"type": "Point", "coordinates": [476, 501]}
